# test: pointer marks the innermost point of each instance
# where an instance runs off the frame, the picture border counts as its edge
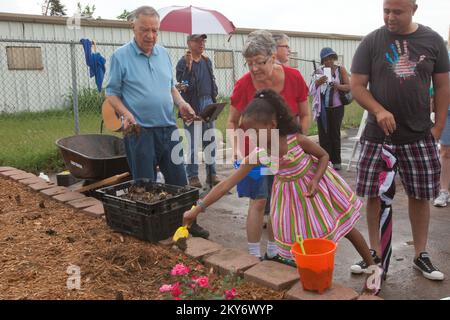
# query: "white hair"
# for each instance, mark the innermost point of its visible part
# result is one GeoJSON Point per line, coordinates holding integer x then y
{"type": "Point", "coordinates": [145, 11]}
{"type": "Point", "coordinates": [280, 37]}
{"type": "Point", "coordinates": [259, 42]}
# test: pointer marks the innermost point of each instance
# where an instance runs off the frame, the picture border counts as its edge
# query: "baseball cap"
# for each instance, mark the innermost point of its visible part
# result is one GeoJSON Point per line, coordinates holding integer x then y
{"type": "Point", "coordinates": [196, 37]}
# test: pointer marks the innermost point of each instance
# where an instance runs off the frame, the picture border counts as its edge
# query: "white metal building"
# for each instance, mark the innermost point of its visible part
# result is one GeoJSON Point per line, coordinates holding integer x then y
{"type": "Point", "coordinates": [40, 57]}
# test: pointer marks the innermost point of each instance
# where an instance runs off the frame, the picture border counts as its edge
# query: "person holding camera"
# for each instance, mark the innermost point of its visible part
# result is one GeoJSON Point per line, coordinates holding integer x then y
{"type": "Point", "coordinates": [198, 86]}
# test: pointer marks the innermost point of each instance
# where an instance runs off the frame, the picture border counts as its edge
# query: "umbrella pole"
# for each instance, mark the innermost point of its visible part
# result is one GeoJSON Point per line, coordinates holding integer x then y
{"type": "Point", "coordinates": [386, 196]}
{"type": "Point", "coordinates": [386, 237]}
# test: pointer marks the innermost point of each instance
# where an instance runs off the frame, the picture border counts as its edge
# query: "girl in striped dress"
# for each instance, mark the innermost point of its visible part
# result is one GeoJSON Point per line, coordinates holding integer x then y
{"type": "Point", "coordinates": [309, 198]}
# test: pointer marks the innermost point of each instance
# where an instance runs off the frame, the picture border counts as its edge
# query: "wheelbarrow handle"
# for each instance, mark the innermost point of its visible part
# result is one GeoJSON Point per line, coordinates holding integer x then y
{"type": "Point", "coordinates": [104, 182]}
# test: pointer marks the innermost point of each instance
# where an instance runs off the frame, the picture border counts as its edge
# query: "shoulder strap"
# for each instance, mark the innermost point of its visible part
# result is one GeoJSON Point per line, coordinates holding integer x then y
{"type": "Point", "coordinates": [209, 66]}
{"type": "Point", "coordinates": [292, 138]}
{"type": "Point", "coordinates": [293, 144]}
{"type": "Point", "coordinates": [341, 78]}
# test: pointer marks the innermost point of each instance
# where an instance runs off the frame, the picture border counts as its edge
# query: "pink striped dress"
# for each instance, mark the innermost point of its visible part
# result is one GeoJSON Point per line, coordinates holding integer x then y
{"type": "Point", "coordinates": [330, 214]}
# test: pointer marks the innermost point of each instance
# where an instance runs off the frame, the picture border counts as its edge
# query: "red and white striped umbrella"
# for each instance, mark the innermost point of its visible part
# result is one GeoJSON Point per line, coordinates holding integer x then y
{"type": "Point", "coordinates": [194, 20]}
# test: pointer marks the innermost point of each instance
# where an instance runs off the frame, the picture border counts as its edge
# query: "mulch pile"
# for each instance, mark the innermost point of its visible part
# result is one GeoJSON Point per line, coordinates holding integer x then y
{"type": "Point", "coordinates": [40, 238]}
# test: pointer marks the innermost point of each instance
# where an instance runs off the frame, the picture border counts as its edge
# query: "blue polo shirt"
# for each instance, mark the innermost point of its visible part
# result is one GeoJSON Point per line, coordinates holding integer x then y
{"type": "Point", "coordinates": [143, 83]}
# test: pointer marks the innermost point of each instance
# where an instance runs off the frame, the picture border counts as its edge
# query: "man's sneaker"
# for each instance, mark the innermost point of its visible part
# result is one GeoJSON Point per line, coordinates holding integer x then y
{"type": "Point", "coordinates": [214, 180]}
{"type": "Point", "coordinates": [196, 231]}
{"type": "Point", "coordinates": [442, 199]}
{"type": "Point", "coordinates": [337, 166]}
{"type": "Point", "coordinates": [362, 267]}
{"type": "Point", "coordinates": [195, 182]}
{"type": "Point", "coordinates": [429, 271]}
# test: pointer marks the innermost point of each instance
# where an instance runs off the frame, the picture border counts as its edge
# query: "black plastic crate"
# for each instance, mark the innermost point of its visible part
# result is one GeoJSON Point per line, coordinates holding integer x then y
{"type": "Point", "coordinates": [152, 222]}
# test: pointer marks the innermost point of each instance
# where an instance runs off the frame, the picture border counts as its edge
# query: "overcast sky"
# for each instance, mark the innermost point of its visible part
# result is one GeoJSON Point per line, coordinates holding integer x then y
{"type": "Point", "coordinates": [357, 17]}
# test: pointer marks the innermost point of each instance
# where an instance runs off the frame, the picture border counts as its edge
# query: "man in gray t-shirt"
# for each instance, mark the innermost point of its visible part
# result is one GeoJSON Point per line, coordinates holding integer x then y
{"type": "Point", "coordinates": [398, 62]}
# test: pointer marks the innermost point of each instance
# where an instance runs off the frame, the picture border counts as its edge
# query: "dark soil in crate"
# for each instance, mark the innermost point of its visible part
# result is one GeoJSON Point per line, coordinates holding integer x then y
{"type": "Point", "coordinates": [152, 195]}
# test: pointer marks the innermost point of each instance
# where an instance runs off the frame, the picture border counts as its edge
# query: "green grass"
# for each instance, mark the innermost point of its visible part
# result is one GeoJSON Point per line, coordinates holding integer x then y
{"type": "Point", "coordinates": [27, 140]}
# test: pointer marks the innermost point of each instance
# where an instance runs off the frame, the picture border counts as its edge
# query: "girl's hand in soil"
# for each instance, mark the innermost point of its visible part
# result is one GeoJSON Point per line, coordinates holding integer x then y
{"type": "Point", "coordinates": [313, 187]}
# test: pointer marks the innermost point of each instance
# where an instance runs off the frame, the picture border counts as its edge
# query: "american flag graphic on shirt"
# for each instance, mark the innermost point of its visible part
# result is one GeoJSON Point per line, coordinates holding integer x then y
{"type": "Point", "coordinates": [400, 62]}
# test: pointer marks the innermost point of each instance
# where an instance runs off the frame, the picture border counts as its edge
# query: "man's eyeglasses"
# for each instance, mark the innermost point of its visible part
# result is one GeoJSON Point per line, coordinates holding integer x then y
{"type": "Point", "coordinates": [258, 64]}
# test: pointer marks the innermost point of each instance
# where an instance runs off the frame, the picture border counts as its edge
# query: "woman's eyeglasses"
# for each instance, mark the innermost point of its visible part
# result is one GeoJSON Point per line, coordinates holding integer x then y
{"type": "Point", "coordinates": [258, 64]}
{"type": "Point", "coordinates": [284, 46]}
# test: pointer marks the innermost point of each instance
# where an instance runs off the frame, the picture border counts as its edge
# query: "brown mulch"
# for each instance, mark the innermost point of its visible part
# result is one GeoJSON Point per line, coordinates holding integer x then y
{"type": "Point", "coordinates": [40, 238]}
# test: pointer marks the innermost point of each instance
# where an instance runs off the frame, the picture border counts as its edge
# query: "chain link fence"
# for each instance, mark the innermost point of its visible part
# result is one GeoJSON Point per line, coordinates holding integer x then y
{"type": "Point", "coordinates": [46, 94]}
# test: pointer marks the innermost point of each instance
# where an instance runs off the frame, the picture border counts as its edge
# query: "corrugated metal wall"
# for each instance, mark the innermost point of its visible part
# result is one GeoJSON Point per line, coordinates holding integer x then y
{"type": "Point", "coordinates": [56, 74]}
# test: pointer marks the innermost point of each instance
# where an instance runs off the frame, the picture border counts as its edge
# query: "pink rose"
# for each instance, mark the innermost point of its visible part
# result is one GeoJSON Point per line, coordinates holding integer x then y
{"type": "Point", "coordinates": [230, 294]}
{"type": "Point", "coordinates": [165, 288]}
{"type": "Point", "coordinates": [179, 270]}
{"type": "Point", "coordinates": [176, 290]}
{"type": "Point", "coordinates": [203, 282]}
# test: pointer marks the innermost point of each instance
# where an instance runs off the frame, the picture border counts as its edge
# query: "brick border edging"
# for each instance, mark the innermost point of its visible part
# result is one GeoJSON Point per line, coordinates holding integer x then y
{"type": "Point", "coordinates": [79, 202]}
{"type": "Point", "coordinates": [207, 252]}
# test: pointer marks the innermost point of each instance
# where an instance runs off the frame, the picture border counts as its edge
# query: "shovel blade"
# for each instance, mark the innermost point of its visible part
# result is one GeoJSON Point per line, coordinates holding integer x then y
{"type": "Point", "coordinates": [182, 232]}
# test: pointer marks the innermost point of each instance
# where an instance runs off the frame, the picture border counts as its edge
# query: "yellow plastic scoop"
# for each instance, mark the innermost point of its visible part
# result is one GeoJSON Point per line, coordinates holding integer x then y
{"type": "Point", "coordinates": [182, 232]}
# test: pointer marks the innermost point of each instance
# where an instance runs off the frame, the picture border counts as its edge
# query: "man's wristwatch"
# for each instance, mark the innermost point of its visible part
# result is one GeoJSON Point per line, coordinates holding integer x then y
{"type": "Point", "coordinates": [202, 205]}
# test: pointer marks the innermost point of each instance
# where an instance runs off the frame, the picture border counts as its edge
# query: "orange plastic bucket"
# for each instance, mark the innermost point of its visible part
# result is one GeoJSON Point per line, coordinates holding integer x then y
{"type": "Point", "coordinates": [316, 266]}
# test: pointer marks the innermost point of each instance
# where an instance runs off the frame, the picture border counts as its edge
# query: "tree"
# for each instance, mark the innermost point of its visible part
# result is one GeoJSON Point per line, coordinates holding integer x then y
{"type": "Point", "coordinates": [124, 15]}
{"type": "Point", "coordinates": [53, 8]}
{"type": "Point", "coordinates": [87, 12]}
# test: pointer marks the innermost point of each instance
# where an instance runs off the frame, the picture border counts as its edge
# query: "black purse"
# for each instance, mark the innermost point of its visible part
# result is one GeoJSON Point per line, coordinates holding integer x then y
{"type": "Point", "coordinates": [346, 97]}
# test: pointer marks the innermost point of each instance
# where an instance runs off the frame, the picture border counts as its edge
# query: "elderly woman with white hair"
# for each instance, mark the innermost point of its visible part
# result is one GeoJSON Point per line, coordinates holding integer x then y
{"type": "Point", "coordinates": [264, 73]}
{"type": "Point", "coordinates": [283, 50]}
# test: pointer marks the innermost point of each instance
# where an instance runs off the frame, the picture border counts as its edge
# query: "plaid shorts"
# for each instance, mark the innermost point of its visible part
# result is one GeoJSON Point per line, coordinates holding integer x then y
{"type": "Point", "coordinates": [418, 166]}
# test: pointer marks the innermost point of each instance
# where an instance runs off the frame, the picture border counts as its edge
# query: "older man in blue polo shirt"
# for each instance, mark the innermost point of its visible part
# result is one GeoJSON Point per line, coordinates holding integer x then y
{"type": "Point", "coordinates": [141, 89]}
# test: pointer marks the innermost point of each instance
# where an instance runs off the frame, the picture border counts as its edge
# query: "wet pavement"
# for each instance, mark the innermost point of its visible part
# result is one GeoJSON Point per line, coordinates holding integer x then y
{"type": "Point", "coordinates": [226, 221]}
